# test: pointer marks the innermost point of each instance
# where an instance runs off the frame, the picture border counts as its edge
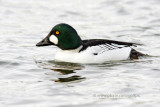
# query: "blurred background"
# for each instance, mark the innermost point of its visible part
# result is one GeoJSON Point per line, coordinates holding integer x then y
{"type": "Point", "coordinates": [31, 78]}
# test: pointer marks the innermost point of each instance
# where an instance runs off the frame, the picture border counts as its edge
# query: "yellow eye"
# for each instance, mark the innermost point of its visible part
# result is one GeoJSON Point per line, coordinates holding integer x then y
{"type": "Point", "coordinates": [57, 32]}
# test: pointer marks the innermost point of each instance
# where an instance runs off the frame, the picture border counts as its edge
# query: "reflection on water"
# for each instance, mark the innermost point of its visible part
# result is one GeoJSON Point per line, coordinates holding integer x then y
{"type": "Point", "coordinates": [69, 79]}
{"type": "Point", "coordinates": [51, 64]}
{"type": "Point", "coordinates": [63, 68]}
{"type": "Point", "coordinates": [63, 71]}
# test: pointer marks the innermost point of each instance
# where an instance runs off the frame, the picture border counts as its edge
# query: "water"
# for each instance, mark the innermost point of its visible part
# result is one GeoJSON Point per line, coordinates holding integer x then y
{"type": "Point", "coordinates": [31, 78]}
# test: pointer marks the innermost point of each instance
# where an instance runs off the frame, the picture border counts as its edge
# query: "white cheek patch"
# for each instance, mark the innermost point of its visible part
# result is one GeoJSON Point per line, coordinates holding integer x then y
{"type": "Point", "coordinates": [53, 39]}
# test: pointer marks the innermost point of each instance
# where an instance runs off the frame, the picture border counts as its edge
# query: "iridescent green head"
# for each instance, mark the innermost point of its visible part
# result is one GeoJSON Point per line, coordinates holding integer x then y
{"type": "Point", "coordinates": [62, 35]}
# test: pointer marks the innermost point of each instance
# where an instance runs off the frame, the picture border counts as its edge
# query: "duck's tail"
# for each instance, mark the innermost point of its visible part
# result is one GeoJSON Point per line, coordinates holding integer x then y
{"type": "Point", "coordinates": [135, 54]}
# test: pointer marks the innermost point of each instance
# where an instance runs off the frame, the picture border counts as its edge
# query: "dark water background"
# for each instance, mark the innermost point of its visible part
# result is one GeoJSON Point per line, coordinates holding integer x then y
{"type": "Point", "coordinates": [29, 77]}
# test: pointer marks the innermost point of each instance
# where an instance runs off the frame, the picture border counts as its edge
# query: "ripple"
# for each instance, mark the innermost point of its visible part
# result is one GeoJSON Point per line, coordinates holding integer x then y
{"type": "Point", "coordinates": [70, 79]}
{"type": "Point", "coordinates": [51, 64]}
{"type": "Point", "coordinates": [3, 62]}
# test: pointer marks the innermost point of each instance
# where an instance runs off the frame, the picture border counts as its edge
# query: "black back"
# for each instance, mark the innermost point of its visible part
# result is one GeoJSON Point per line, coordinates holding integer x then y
{"type": "Point", "coordinates": [95, 42]}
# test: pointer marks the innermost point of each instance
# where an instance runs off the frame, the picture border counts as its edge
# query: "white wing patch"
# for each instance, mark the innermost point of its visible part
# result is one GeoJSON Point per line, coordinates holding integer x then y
{"type": "Point", "coordinates": [99, 49]}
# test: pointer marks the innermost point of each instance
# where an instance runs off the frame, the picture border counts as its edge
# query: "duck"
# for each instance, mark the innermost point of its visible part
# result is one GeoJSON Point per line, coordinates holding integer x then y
{"type": "Point", "coordinates": [75, 50]}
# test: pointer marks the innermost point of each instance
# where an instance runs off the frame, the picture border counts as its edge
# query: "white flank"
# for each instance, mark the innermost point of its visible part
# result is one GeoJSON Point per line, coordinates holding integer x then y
{"type": "Point", "coordinates": [53, 39]}
{"type": "Point", "coordinates": [87, 56]}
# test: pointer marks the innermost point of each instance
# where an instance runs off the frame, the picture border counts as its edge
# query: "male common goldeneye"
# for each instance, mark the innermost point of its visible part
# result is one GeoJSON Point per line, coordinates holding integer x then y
{"type": "Point", "coordinates": [75, 50]}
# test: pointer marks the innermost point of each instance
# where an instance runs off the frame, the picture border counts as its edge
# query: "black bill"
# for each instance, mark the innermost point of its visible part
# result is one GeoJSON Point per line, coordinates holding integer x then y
{"type": "Point", "coordinates": [44, 42]}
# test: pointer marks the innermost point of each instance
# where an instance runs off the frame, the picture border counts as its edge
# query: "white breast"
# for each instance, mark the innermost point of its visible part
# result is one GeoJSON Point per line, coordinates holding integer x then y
{"type": "Point", "coordinates": [89, 55]}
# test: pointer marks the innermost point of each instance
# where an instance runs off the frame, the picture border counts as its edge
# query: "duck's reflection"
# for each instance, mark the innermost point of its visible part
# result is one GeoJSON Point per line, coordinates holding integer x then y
{"type": "Point", "coordinates": [64, 69]}
{"type": "Point", "coordinates": [69, 79]}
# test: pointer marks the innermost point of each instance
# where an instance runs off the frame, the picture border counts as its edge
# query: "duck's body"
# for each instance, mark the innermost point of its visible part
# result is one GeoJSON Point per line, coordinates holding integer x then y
{"type": "Point", "coordinates": [88, 56]}
{"type": "Point", "coordinates": [76, 50]}
{"type": "Point", "coordinates": [94, 51]}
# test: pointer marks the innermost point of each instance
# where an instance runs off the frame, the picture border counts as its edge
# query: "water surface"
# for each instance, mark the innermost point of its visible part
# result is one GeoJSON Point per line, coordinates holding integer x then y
{"type": "Point", "coordinates": [31, 78]}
